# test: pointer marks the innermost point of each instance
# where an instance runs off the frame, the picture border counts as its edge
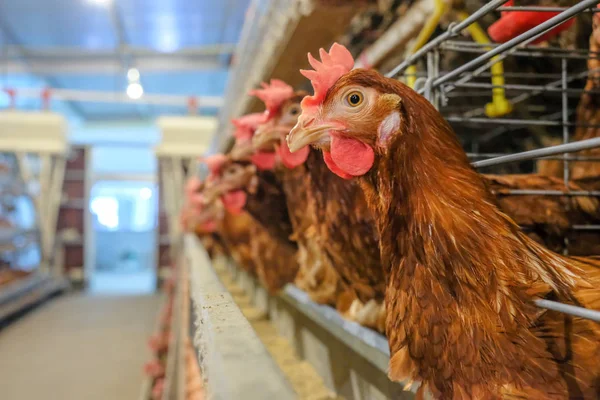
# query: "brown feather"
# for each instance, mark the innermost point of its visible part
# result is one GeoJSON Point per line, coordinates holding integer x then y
{"type": "Point", "coordinates": [439, 224]}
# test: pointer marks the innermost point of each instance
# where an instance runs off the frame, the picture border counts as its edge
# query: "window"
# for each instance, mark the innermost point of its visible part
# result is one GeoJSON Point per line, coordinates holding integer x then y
{"type": "Point", "coordinates": [106, 210]}
{"type": "Point", "coordinates": [124, 206]}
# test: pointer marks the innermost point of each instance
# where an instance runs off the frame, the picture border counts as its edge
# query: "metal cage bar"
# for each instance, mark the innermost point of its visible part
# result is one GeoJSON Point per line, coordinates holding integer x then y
{"type": "Point", "coordinates": [524, 38]}
{"type": "Point", "coordinates": [543, 152]}
{"type": "Point", "coordinates": [452, 31]}
{"type": "Point", "coordinates": [581, 312]}
{"type": "Point", "coordinates": [440, 83]}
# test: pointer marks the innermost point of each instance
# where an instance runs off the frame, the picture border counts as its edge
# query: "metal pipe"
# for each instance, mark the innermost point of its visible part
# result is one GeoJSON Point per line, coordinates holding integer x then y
{"type": "Point", "coordinates": [505, 121]}
{"type": "Point", "coordinates": [494, 59]}
{"type": "Point", "coordinates": [547, 151]}
{"type": "Point", "coordinates": [540, 9]}
{"type": "Point", "coordinates": [120, 97]}
{"type": "Point", "coordinates": [510, 121]}
{"type": "Point", "coordinates": [525, 96]}
{"type": "Point", "coordinates": [586, 227]}
{"type": "Point", "coordinates": [544, 192]}
{"type": "Point", "coordinates": [512, 86]}
{"type": "Point", "coordinates": [529, 35]}
{"type": "Point", "coordinates": [462, 45]}
{"type": "Point", "coordinates": [565, 118]}
{"type": "Point", "coordinates": [557, 158]}
{"type": "Point", "coordinates": [451, 32]}
{"type": "Point", "coordinates": [581, 312]}
{"type": "Point", "coordinates": [528, 52]}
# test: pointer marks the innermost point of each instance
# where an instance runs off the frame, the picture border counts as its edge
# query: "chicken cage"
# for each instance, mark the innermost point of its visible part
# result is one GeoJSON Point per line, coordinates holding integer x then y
{"type": "Point", "coordinates": [489, 92]}
{"type": "Point", "coordinates": [458, 73]}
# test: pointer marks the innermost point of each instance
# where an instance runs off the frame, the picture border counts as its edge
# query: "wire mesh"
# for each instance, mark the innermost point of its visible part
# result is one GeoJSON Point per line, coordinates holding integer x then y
{"type": "Point", "coordinates": [542, 102]}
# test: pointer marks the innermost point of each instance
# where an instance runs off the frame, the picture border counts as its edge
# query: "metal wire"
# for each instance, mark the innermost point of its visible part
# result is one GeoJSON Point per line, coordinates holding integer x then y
{"type": "Point", "coordinates": [526, 96]}
{"type": "Point", "coordinates": [452, 31]}
{"type": "Point", "coordinates": [514, 121]}
{"type": "Point", "coordinates": [540, 9]}
{"type": "Point", "coordinates": [530, 35]}
{"type": "Point", "coordinates": [569, 309]}
{"type": "Point", "coordinates": [547, 151]}
{"type": "Point", "coordinates": [535, 50]}
{"type": "Point", "coordinates": [441, 83]}
{"type": "Point", "coordinates": [511, 86]}
{"type": "Point", "coordinates": [558, 158]}
{"type": "Point", "coordinates": [585, 227]}
{"type": "Point", "coordinates": [527, 52]}
{"type": "Point", "coordinates": [545, 192]}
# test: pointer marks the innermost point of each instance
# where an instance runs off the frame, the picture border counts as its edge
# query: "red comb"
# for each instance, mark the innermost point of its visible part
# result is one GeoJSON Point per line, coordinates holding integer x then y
{"type": "Point", "coordinates": [273, 95]}
{"type": "Point", "coordinates": [246, 125]}
{"type": "Point", "coordinates": [215, 162]}
{"type": "Point", "coordinates": [332, 66]}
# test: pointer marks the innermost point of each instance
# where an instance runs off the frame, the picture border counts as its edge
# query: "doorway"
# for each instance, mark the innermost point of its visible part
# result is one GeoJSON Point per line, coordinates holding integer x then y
{"type": "Point", "coordinates": [124, 220]}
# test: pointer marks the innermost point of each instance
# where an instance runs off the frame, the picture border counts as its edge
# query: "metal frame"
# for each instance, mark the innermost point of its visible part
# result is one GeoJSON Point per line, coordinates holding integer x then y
{"type": "Point", "coordinates": [41, 136]}
{"type": "Point", "coordinates": [438, 84]}
{"type": "Point", "coordinates": [184, 139]}
{"type": "Point", "coordinates": [48, 200]}
{"type": "Point", "coordinates": [120, 97]}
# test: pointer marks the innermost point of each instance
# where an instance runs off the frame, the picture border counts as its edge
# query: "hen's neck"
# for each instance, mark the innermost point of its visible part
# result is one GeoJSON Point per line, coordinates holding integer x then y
{"type": "Point", "coordinates": [434, 211]}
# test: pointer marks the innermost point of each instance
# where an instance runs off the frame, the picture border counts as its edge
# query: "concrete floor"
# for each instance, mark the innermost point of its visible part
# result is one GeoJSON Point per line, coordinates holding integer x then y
{"type": "Point", "coordinates": [133, 283]}
{"type": "Point", "coordinates": [78, 347]}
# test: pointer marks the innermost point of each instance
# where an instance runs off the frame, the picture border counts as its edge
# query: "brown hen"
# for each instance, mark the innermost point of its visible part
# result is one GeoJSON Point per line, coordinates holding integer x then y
{"type": "Point", "coordinates": [331, 221]}
{"type": "Point", "coordinates": [316, 275]}
{"type": "Point", "coordinates": [462, 278]}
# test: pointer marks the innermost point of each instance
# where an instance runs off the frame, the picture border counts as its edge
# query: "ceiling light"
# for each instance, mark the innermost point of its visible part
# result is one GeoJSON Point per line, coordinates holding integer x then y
{"type": "Point", "coordinates": [135, 90]}
{"type": "Point", "coordinates": [145, 193]}
{"type": "Point", "coordinates": [100, 2]}
{"type": "Point", "coordinates": [133, 75]}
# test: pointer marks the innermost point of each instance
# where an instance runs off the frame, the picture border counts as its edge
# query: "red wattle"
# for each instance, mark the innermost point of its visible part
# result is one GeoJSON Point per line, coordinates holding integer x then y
{"type": "Point", "coordinates": [263, 160]}
{"type": "Point", "coordinates": [292, 160]}
{"type": "Point", "coordinates": [209, 226]}
{"type": "Point", "coordinates": [234, 201]}
{"type": "Point", "coordinates": [352, 156]}
{"type": "Point", "coordinates": [514, 23]}
{"type": "Point", "coordinates": [333, 167]}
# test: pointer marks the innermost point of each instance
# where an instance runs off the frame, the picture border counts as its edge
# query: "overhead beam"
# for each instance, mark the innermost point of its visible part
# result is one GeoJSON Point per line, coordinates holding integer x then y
{"type": "Point", "coordinates": [94, 96]}
{"type": "Point", "coordinates": [11, 37]}
{"type": "Point", "coordinates": [12, 51]}
{"type": "Point", "coordinates": [106, 66]}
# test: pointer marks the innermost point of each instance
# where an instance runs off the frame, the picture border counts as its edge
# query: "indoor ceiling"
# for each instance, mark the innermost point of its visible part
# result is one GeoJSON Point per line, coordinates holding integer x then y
{"type": "Point", "coordinates": [180, 47]}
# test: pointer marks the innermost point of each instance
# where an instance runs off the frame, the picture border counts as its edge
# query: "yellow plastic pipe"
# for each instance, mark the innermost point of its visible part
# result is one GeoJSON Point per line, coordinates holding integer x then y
{"type": "Point", "coordinates": [500, 105]}
{"type": "Point", "coordinates": [424, 35]}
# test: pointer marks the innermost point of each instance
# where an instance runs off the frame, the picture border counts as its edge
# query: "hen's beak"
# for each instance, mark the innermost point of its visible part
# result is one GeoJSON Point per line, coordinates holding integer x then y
{"type": "Point", "coordinates": [211, 193]}
{"type": "Point", "coordinates": [301, 136]}
{"type": "Point", "coordinates": [267, 136]}
{"type": "Point", "coordinates": [241, 151]}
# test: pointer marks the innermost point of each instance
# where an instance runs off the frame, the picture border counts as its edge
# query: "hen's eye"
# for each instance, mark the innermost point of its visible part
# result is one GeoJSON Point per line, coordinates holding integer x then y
{"type": "Point", "coordinates": [294, 111]}
{"type": "Point", "coordinates": [355, 99]}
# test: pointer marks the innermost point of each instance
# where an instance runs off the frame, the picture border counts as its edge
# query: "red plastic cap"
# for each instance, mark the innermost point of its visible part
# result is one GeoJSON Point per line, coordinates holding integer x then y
{"type": "Point", "coordinates": [515, 23]}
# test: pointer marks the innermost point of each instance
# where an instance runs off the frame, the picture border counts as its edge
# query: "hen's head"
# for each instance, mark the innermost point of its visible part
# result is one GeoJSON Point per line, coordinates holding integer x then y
{"type": "Point", "coordinates": [246, 127]}
{"type": "Point", "coordinates": [208, 217]}
{"type": "Point", "coordinates": [283, 109]}
{"type": "Point", "coordinates": [353, 114]}
{"type": "Point", "coordinates": [228, 182]}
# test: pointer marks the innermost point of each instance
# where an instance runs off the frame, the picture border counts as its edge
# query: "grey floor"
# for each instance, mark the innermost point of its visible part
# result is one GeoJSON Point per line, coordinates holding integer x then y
{"type": "Point", "coordinates": [78, 347]}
